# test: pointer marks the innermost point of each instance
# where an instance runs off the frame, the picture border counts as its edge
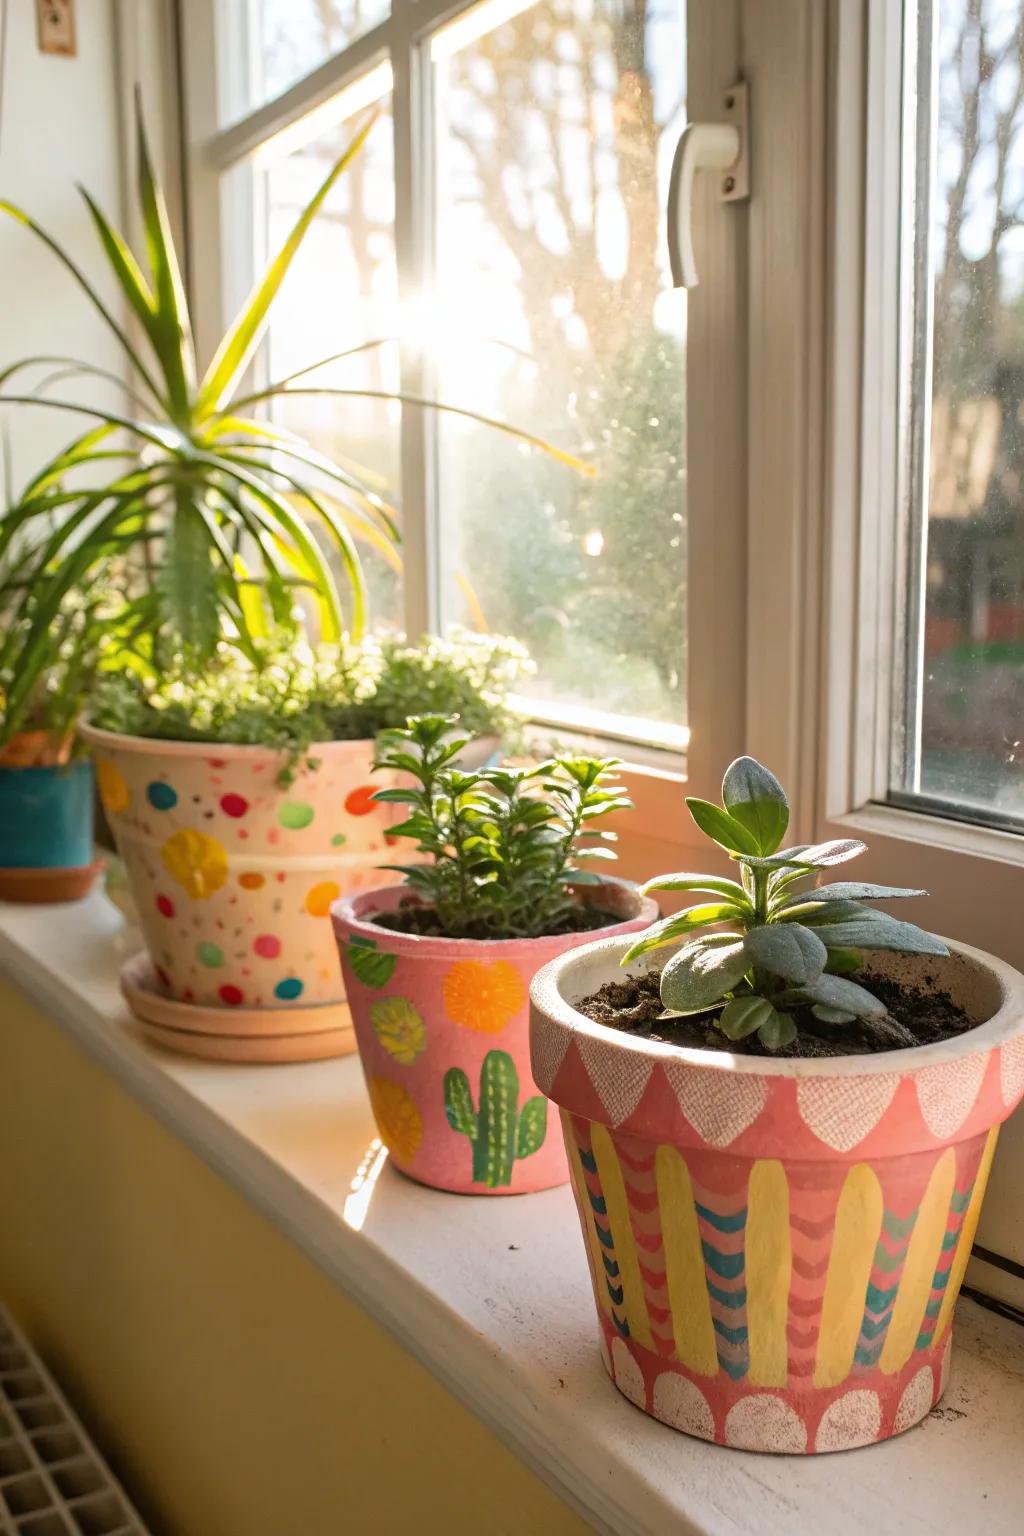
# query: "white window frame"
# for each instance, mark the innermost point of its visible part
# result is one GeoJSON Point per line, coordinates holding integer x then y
{"type": "Point", "coordinates": [975, 873]}
{"type": "Point", "coordinates": [715, 341]}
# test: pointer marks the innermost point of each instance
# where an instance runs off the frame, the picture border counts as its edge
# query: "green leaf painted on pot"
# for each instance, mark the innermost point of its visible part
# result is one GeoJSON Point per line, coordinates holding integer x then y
{"type": "Point", "coordinates": [399, 1028]}
{"type": "Point", "coordinates": [372, 966]}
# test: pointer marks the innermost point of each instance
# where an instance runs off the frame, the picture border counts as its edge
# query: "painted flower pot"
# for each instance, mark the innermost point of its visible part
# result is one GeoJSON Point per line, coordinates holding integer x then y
{"type": "Point", "coordinates": [232, 874]}
{"type": "Point", "coordinates": [776, 1246]}
{"type": "Point", "coordinates": [46, 827]}
{"type": "Point", "coordinates": [443, 1032]}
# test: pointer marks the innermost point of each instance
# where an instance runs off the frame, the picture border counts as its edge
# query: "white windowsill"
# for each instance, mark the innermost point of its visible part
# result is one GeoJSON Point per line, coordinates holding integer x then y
{"type": "Point", "coordinates": [492, 1295]}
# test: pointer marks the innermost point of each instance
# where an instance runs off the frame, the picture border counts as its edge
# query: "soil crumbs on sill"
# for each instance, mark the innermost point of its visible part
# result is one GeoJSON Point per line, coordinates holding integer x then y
{"type": "Point", "coordinates": [917, 1017]}
{"type": "Point", "coordinates": [416, 918]}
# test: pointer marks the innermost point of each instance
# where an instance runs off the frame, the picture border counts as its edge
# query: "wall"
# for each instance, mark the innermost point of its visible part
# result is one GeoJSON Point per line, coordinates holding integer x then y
{"type": "Point", "coordinates": [59, 126]}
{"type": "Point", "coordinates": [235, 1389]}
{"type": "Point", "coordinates": [62, 122]}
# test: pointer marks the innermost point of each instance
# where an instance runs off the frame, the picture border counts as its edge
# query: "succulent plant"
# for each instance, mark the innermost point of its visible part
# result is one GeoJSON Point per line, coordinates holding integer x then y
{"type": "Point", "coordinates": [767, 944]}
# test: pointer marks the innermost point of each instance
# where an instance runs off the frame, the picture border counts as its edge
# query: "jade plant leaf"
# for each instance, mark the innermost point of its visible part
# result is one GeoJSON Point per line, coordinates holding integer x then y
{"type": "Point", "coordinates": [755, 798]}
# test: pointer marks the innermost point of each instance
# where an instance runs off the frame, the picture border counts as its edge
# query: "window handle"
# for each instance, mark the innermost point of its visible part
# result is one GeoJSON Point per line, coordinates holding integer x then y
{"type": "Point", "coordinates": [706, 146]}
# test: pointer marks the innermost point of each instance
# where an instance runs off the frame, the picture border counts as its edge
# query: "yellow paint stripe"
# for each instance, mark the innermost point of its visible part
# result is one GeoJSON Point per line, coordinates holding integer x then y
{"type": "Point", "coordinates": [967, 1231]}
{"type": "Point", "coordinates": [684, 1260]}
{"type": "Point", "coordinates": [579, 1182]}
{"type": "Point", "coordinates": [768, 1271]}
{"type": "Point", "coordinates": [614, 1190]}
{"type": "Point", "coordinates": [919, 1271]}
{"type": "Point", "coordinates": [858, 1223]}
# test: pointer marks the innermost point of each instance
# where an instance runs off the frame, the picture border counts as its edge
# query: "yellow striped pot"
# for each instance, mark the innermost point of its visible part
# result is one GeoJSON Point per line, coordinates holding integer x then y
{"type": "Point", "coordinates": [776, 1246]}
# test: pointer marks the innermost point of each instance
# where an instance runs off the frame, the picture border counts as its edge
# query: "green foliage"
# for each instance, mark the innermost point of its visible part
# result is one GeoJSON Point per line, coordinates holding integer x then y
{"type": "Point", "coordinates": [498, 1132]}
{"type": "Point", "coordinates": [68, 661]}
{"type": "Point", "coordinates": [776, 944]}
{"type": "Point", "coordinates": [501, 844]}
{"type": "Point", "coordinates": [214, 514]}
{"type": "Point", "coordinates": [298, 696]}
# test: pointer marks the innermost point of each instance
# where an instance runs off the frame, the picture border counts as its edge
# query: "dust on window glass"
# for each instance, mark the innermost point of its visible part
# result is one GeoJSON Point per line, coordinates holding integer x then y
{"type": "Point", "coordinates": [554, 131]}
{"type": "Point", "coordinates": [969, 725]}
{"type": "Point", "coordinates": [274, 43]}
{"type": "Point", "coordinates": [339, 294]}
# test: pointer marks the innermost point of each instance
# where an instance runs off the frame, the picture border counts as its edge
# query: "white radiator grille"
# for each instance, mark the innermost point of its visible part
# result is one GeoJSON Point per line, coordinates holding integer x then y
{"type": "Point", "coordinates": [52, 1481]}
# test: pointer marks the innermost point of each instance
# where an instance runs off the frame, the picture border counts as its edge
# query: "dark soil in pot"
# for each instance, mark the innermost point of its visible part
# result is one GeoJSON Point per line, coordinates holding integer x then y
{"type": "Point", "coordinates": [412, 916]}
{"type": "Point", "coordinates": [917, 1016]}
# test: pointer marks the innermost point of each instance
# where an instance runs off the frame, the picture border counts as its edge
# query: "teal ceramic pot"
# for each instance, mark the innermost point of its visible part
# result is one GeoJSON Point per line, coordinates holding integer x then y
{"type": "Point", "coordinates": [46, 831]}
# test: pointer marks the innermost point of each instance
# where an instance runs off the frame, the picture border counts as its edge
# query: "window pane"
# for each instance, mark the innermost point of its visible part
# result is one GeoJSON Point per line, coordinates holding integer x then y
{"type": "Point", "coordinates": [965, 738]}
{"type": "Point", "coordinates": [555, 133]}
{"type": "Point", "coordinates": [270, 44]}
{"type": "Point", "coordinates": [339, 294]}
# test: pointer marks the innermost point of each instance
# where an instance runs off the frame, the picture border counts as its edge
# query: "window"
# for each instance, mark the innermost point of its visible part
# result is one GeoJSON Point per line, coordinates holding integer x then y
{"type": "Point", "coordinates": [959, 746]}
{"type": "Point", "coordinates": [501, 241]}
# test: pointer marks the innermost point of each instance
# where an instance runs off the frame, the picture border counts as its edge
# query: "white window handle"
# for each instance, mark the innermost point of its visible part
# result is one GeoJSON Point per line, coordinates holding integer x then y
{"type": "Point", "coordinates": [713, 146]}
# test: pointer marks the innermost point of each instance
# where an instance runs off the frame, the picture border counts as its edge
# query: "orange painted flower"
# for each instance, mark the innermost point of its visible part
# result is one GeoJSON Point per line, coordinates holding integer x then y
{"type": "Point", "coordinates": [114, 791]}
{"type": "Point", "coordinates": [360, 802]}
{"type": "Point", "coordinates": [398, 1120]}
{"type": "Point", "coordinates": [198, 862]}
{"type": "Point", "coordinates": [484, 996]}
{"type": "Point", "coordinates": [319, 898]}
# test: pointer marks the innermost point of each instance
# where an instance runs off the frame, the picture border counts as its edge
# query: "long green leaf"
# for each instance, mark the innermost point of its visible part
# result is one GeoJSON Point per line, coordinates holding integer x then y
{"type": "Point", "coordinates": [243, 336]}
{"type": "Point", "coordinates": [529, 438]}
{"type": "Point", "coordinates": [83, 282]}
{"type": "Point", "coordinates": [297, 539]}
{"type": "Point", "coordinates": [172, 334]}
{"type": "Point", "coordinates": [169, 439]}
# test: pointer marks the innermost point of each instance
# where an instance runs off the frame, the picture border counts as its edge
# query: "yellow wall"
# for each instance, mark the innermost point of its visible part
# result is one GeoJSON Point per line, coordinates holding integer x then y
{"type": "Point", "coordinates": [235, 1389]}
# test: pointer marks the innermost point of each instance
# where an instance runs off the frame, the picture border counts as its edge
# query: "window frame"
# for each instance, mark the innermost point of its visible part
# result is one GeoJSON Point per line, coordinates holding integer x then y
{"type": "Point", "coordinates": [715, 338]}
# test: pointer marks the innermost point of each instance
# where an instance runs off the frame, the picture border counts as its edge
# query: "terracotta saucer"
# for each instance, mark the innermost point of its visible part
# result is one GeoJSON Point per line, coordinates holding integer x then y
{"type": "Point", "coordinates": [48, 886]}
{"type": "Point", "coordinates": [234, 1034]}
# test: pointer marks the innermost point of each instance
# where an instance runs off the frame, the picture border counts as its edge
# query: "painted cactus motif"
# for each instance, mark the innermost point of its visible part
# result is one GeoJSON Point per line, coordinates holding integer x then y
{"type": "Point", "coordinates": [498, 1132]}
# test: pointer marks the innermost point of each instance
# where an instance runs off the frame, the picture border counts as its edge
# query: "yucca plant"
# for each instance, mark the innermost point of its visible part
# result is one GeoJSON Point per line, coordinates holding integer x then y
{"type": "Point", "coordinates": [206, 504]}
{"type": "Point", "coordinates": [768, 946]}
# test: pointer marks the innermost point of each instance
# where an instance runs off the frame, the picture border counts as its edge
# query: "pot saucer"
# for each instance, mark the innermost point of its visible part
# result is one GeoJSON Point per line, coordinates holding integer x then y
{"type": "Point", "coordinates": [48, 886]}
{"type": "Point", "coordinates": [310, 1033]}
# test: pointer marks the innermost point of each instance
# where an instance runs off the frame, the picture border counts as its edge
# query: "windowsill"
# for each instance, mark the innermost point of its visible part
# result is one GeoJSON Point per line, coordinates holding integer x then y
{"type": "Point", "coordinates": [492, 1296]}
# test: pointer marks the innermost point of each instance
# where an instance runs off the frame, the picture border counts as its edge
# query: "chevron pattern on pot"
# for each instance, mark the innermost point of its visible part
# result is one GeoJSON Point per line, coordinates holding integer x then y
{"type": "Point", "coordinates": [799, 1307]}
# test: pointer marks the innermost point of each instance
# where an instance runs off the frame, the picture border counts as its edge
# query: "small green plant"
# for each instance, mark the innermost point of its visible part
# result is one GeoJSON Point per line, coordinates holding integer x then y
{"type": "Point", "coordinates": [498, 1131]}
{"type": "Point", "coordinates": [502, 844]}
{"type": "Point", "coordinates": [776, 945]}
{"type": "Point", "coordinates": [298, 695]}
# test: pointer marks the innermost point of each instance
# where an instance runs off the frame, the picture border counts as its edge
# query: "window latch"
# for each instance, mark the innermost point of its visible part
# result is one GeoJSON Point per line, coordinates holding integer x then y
{"type": "Point", "coordinates": [720, 147]}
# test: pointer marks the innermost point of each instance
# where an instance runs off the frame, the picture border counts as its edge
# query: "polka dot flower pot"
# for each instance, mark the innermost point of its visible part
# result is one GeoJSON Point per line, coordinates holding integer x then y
{"type": "Point", "coordinates": [776, 1246]}
{"type": "Point", "coordinates": [443, 1033]}
{"type": "Point", "coordinates": [233, 875]}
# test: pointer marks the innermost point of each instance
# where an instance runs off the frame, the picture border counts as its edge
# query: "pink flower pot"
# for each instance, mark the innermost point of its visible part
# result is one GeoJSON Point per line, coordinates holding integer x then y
{"type": "Point", "coordinates": [232, 874]}
{"type": "Point", "coordinates": [442, 1028]}
{"type": "Point", "coordinates": [776, 1246]}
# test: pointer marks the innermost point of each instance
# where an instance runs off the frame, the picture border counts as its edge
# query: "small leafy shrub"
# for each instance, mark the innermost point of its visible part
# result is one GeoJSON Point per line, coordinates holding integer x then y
{"type": "Point", "coordinates": [70, 656]}
{"type": "Point", "coordinates": [502, 845]}
{"type": "Point", "coordinates": [300, 696]}
{"type": "Point", "coordinates": [776, 945]}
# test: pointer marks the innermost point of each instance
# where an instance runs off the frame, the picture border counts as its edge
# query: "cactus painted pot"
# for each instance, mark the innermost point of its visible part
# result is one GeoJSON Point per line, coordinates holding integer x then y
{"type": "Point", "coordinates": [232, 874]}
{"type": "Point", "coordinates": [443, 1033]}
{"type": "Point", "coordinates": [776, 1246]}
{"type": "Point", "coordinates": [46, 831]}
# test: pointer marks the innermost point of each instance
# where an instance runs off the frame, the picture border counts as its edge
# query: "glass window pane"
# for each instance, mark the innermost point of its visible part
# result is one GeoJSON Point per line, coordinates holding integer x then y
{"type": "Point", "coordinates": [964, 742]}
{"type": "Point", "coordinates": [339, 294]}
{"type": "Point", "coordinates": [556, 124]}
{"type": "Point", "coordinates": [270, 44]}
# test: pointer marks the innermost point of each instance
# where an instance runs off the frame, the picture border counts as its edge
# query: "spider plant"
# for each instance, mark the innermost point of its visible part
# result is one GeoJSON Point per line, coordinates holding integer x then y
{"type": "Point", "coordinates": [210, 509]}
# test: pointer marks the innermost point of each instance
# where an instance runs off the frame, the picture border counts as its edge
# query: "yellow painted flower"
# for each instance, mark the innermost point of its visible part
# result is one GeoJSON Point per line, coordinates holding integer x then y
{"type": "Point", "coordinates": [114, 791]}
{"type": "Point", "coordinates": [398, 1120]}
{"type": "Point", "coordinates": [399, 1029]}
{"type": "Point", "coordinates": [484, 996]}
{"type": "Point", "coordinates": [198, 862]}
